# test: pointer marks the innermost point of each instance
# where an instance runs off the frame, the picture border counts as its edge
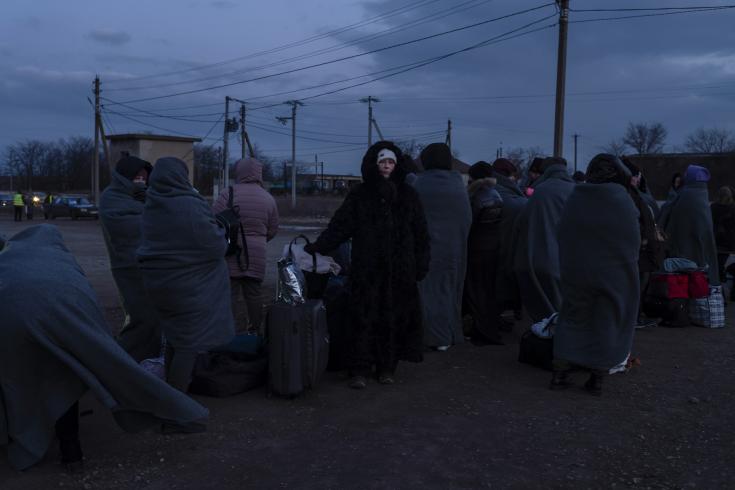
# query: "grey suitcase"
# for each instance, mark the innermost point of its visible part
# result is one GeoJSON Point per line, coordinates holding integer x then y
{"type": "Point", "coordinates": [298, 347]}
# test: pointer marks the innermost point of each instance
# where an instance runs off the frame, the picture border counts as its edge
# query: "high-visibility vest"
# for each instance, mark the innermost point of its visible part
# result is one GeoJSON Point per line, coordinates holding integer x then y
{"type": "Point", "coordinates": [18, 200]}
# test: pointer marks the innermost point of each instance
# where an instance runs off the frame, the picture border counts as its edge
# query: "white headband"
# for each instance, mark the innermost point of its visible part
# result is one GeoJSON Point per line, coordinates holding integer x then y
{"type": "Point", "coordinates": [386, 154]}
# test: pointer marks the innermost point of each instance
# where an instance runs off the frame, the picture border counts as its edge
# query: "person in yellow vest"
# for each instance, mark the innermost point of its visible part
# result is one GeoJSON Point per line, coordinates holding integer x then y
{"type": "Point", "coordinates": [18, 206]}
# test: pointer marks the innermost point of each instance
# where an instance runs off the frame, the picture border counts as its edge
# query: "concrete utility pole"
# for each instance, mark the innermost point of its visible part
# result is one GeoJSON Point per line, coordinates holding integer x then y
{"type": "Point", "coordinates": [243, 137]}
{"type": "Point", "coordinates": [95, 184]}
{"type": "Point", "coordinates": [369, 100]}
{"type": "Point", "coordinates": [576, 136]}
{"type": "Point", "coordinates": [561, 74]}
{"type": "Point", "coordinates": [294, 104]}
{"type": "Point", "coordinates": [448, 141]}
{"type": "Point", "coordinates": [225, 180]}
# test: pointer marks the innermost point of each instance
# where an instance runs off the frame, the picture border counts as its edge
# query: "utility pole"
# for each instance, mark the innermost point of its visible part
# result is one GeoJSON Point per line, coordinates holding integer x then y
{"type": "Point", "coordinates": [369, 100]}
{"type": "Point", "coordinates": [561, 74]}
{"type": "Point", "coordinates": [448, 141]}
{"type": "Point", "coordinates": [294, 104]}
{"type": "Point", "coordinates": [243, 138]}
{"type": "Point", "coordinates": [96, 159]}
{"type": "Point", "coordinates": [316, 172]}
{"type": "Point", "coordinates": [576, 136]}
{"type": "Point", "coordinates": [225, 180]}
{"type": "Point", "coordinates": [377, 128]}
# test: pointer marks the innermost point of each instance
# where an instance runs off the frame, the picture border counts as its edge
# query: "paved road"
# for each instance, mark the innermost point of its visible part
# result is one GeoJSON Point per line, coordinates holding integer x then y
{"type": "Point", "coordinates": [469, 418]}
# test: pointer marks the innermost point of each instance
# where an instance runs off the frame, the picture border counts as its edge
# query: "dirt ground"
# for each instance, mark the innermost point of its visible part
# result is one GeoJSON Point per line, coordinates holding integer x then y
{"type": "Point", "coordinates": [472, 417]}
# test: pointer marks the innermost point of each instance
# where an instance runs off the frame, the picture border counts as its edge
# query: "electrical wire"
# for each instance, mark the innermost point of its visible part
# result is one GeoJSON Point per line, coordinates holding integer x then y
{"type": "Point", "coordinates": [344, 58]}
{"type": "Point", "coordinates": [330, 49]}
{"type": "Point", "coordinates": [640, 16]}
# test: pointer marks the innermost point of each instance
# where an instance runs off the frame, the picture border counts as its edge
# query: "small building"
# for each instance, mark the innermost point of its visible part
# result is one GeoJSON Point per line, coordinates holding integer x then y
{"type": "Point", "coordinates": [151, 147]}
{"type": "Point", "coordinates": [660, 168]}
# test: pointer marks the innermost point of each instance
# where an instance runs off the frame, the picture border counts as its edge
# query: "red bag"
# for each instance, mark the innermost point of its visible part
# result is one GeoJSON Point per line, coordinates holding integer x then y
{"type": "Point", "coordinates": [666, 285]}
{"type": "Point", "coordinates": [698, 285]}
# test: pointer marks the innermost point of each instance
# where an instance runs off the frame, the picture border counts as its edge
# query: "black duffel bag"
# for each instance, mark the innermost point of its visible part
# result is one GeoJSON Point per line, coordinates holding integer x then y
{"type": "Point", "coordinates": [223, 372]}
{"type": "Point", "coordinates": [536, 351]}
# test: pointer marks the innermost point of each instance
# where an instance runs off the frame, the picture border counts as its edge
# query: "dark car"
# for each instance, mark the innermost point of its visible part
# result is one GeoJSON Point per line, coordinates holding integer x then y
{"type": "Point", "coordinates": [73, 207]}
{"type": "Point", "coordinates": [6, 201]}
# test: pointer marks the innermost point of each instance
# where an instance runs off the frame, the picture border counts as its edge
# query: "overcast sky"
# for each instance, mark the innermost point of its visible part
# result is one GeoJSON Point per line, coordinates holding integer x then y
{"type": "Point", "coordinates": [677, 69]}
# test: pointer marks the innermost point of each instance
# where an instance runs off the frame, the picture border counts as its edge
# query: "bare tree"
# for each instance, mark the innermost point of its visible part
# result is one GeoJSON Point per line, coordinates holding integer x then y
{"type": "Point", "coordinates": [207, 162]}
{"type": "Point", "coordinates": [615, 147]}
{"type": "Point", "coordinates": [78, 158]}
{"type": "Point", "coordinates": [411, 148]}
{"type": "Point", "coordinates": [25, 158]}
{"type": "Point", "coordinates": [522, 157]}
{"type": "Point", "coordinates": [645, 138]}
{"type": "Point", "coordinates": [710, 140]}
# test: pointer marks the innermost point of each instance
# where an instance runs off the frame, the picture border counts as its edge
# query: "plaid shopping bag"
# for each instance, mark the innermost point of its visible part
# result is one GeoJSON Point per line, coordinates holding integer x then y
{"type": "Point", "coordinates": [710, 311]}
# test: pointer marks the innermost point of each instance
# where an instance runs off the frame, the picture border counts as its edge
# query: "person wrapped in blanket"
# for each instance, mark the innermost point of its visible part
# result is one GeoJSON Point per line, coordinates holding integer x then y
{"type": "Point", "coordinates": [599, 242]}
{"type": "Point", "coordinates": [50, 356]}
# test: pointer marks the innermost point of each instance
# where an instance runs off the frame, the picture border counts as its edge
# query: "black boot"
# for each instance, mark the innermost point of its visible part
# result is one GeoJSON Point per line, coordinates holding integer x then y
{"type": "Point", "coordinates": [560, 379]}
{"type": "Point", "coordinates": [594, 384]}
{"type": "Point", "coordinates": [71, 455]}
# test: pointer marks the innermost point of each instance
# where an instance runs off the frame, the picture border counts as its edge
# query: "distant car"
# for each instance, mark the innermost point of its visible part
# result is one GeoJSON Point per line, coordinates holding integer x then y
{"type": "Point", "coordinates": [6, 201]}
{"type": "Point", "coordinates": [72, 207]}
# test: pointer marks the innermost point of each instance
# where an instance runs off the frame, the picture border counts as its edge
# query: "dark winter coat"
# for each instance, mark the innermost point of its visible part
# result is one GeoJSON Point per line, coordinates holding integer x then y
{"type": "Point", "coordinates": [182, 259]}
{"type": "Point", "coordinates": [55, 346]}
{"type": "Point", "coordinates": [599, 240]}
{"type": "Point", "coordinates": [121, 215]}
{"type": "Point", "coordinates": [723, 222]}
{"type": "Point", "coordinates": [449, 217]}
{"type": "Point", "coordinates": [537, 249]}
{"type": "Point", "coordinates": [483, 255]}
{"type": "Point", "coordinates": [390, 254]}
{"type": "Point", "coordinates": [258, 216]}
{"type": "Point", "coordinates": [688, 226]}
{"type": "Point", "coordinates": [514, 201]}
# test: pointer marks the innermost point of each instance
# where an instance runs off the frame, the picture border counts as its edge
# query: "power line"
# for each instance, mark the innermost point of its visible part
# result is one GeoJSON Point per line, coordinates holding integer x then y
{"type": "Point", "coordinates": [330, 49]}
{"type": "Point", "coordinates": [639, 16]}
{"type": "Point", "coordinates": [636, 9]}
{"type": "Point", "coordinates": [291, 44]}
{"type": "Point", "coordinates": [344, 58]}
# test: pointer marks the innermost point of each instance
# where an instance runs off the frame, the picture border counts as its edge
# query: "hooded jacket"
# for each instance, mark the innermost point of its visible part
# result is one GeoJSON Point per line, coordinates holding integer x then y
{"type": "Point", "coordinates": [258, 216]}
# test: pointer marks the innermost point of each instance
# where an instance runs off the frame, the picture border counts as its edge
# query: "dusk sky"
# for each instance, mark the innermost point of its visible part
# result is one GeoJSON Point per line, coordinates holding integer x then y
{"type": "Point", "coordinates": [675, 69]}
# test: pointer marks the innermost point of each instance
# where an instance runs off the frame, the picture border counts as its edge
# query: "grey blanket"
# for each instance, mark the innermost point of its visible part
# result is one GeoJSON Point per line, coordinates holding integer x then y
{"type": "Point", "coordinates": [182, 260]}
{"type": "Point", "coordinates": [599, 240]}
{"type": "Point", "coordinates": [449, 218]}
{"type": "Point", "coordinates": [536, 258]}
{"type": "Point", "coordinates": [52, 352]}
{"type": "Point", "coordinates": [121, 217]}
{"type": "Point", "coordinates": [513, 203]}
{"type": "Point", "coordinates": [688, 225]}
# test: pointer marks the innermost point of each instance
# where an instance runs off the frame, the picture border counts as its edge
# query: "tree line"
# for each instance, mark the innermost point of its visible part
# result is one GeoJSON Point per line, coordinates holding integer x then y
{"type": "Point", "coordinates": [65, 165]}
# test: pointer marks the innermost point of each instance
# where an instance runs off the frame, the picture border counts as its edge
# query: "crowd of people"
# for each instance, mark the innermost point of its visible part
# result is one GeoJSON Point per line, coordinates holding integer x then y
{"type": "Point", "coordinates": [434, 262]}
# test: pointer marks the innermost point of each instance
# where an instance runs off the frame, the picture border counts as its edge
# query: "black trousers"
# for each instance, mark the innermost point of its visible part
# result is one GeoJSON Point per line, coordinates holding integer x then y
{"type": "Point", "coordinates": [480, 298]}
{"type": "Point", "coordinates": [67, 427]}
{"type": "Point", "coordinates": [18, 216]}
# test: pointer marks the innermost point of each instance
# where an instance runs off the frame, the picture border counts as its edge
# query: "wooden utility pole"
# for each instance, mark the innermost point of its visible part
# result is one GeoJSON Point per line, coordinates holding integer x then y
{"type": "Point", "coordinates": [369, 100]}
{"type": "Point", "coordinates": [561, 75]}
{"type": "Point", "coordinates": [294, 104]}
{"type": "Point", "coordinates": [448, 141]}
{"type": "Point", "coordinates": [576, 136]}
{"type": "Point", "coordinates": [95, 184]}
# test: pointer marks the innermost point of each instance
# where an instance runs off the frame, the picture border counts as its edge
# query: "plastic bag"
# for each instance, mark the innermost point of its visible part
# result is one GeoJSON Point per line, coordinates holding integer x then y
{"type": "Point", "coordinates": [291, 284]}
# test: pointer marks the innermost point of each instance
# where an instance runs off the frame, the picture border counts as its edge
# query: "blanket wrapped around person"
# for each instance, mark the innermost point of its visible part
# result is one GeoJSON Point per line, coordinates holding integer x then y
{"type": "Point", "coordinates": [52, 352]}
{"type": "Point", "coordinates": [599, 240]}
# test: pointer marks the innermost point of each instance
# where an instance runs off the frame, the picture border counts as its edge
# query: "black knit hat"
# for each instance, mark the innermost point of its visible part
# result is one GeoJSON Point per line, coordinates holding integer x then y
{"type": "Point", "coordinates": [129, 167]}
{"type": "Point", "coordinates": [481, 170]}
{"type": "Point", "coordinates": [437, 156]}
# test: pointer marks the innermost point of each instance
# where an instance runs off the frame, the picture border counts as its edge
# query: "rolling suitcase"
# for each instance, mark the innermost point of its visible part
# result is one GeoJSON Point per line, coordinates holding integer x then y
{"type": "Point", "coordinates": [298, 347]}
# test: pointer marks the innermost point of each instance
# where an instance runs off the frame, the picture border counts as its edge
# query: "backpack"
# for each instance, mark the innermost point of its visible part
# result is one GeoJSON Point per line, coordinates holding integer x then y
{"type": "Point", "coordinates": [229, 220]}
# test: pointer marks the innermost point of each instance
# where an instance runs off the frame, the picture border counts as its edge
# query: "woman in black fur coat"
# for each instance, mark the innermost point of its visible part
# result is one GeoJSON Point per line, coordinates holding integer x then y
{"type": "Point", "coordinates": [390, 254]}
